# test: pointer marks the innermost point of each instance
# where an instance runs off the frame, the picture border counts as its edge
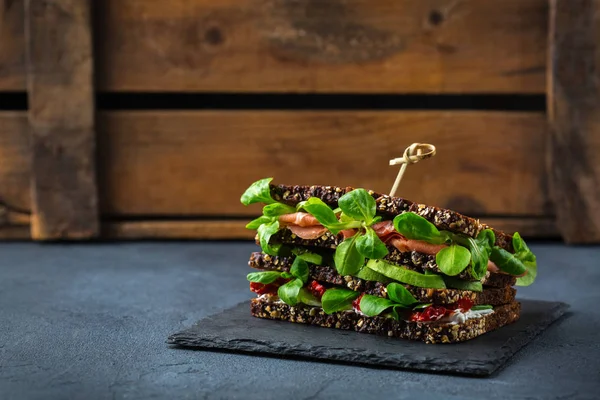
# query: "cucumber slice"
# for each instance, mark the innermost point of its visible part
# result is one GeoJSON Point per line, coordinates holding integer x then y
{"type": "Point", "coordinates": [405, 275]}
{"type": "Point", "coordinates": [369, 275]}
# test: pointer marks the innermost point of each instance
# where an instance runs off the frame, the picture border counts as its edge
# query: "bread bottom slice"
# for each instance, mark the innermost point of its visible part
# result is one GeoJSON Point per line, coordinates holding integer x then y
{"type": "Point", "coordinates": [432, 332]}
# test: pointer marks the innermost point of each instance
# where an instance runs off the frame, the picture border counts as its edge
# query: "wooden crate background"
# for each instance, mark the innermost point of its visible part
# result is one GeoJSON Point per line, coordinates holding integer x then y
{"type": "Point", "coordinates": [70, 169]}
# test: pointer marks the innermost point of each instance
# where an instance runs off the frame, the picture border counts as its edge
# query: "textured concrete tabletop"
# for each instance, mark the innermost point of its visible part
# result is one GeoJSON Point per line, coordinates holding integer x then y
{"type": "Point", "coordinates": [90, 322]}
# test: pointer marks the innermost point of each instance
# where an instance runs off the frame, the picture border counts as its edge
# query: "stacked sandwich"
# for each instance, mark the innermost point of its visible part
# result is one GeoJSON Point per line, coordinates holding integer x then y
{"type": "Point", "coordinates": [354, 259]}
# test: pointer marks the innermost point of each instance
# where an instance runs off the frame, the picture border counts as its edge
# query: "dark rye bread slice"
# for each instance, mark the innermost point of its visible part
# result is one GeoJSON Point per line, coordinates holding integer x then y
{"type": "Point", "coordinates": [259, 260]}
{"type": "Point", "coordinates": [443, 219]}
{"type": "Point", "coordinates": [411, 259]}
{"type": "Point", "coordinates": [329, 276]}
{"type": "Point", "coordinates": [432, 332]}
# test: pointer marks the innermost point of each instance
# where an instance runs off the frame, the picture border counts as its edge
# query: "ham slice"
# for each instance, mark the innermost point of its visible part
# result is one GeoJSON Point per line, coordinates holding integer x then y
{"type": "Point", "coordinates": [308, 232]}
{"type": "Point", "coordinates": [303, 225]}
{"type": "Point", "coordinates": [348, 233]}
{"type": "Point", "coordinates": [404, 244]}
{"type": "Point", "coordinates": [386, 232]}
{"type": "Point", "coordinates": [298, 219]}
{"type": "Point", "coordinates": [384, 228]}
{"type": "Point", "coordinates": [492, 267]}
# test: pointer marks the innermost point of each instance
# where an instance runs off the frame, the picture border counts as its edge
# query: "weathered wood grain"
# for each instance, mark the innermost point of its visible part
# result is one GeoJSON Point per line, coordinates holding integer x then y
{"type": "Point", "coordinates": [199, 163]}
{"type": "Point", "coordinates": [15, 232]}
{"type": "Point", "coordinates": [15, 165]}
{"type": "Point", "coordinates": [193, 229]}
{"type": "Point", "coordinates": [12, 46]}
{"type": "Point", "coordinates": [574, 114]}
{"type": "Point", "coordinates": [391, 46]}
{"type": "Point", "coordinates": [15, 172]}
{"type": "Point", "coordinates": [61, 116]}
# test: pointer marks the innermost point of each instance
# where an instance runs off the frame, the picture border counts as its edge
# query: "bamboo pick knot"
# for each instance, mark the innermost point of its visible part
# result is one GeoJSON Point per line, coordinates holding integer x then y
{"type": "Point", "coordinates": [412, 155]}
{"type": "Point", "coordinates": [415, 153]}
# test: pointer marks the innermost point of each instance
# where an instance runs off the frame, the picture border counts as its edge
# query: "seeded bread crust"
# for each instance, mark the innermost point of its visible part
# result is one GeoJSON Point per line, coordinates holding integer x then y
{"type": "Point", "coordinates": [348, 320]}
{"type": "Point", "coordinates": [443, 219]}
{"type": "Point", "coordinates": [411, 259]}
{"type": "Point", "coordinates": [259, 260]}
{"type": "Point", "coordinates": [328, 276]}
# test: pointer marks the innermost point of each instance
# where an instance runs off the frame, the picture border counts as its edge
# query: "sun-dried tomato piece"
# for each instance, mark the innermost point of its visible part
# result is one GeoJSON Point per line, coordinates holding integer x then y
{"type": "Point", "coordinates": [464, 304]}
{"type": "Point", "coordinates": [356, 303]}
{"type": "Point", "coordinates": [316, 289]}
{"type": "Point", "coordinates": [431, 313]}
{"type": "Point", "coordinates": [261, 288]}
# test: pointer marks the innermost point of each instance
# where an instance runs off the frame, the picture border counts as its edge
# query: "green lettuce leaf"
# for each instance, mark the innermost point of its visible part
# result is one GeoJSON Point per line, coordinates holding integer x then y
{"type": "Point", "coordinates": [359, 205]}
{"type": "Point", "coordinates": [289, 292]}
{"type": "Point", "coordinates": [265, 231]}
{"type": "Point", "coordinates": [507, 262]}
{"type": "Point", "coordinates": [413, 226]}
{"type": "Point", "coordinates": [335, 300]}
{"type": "Point", "coordinates": [347, 259]}
{"type": "Point", "coordinates": [453, 260]}
{"type": "Point", "coordinates": [258, 192]}
{"type": "Point", "coordinates": [255, 223]}
{"type": "Point", "coordinates": [523, 253]}
{"type": "Point", "coordinates": [370, 246]}
{"type": "Point", "coordinates": [265, 277]}
{"type": "Point", "coordinates": [300, 269]}
{"type": "Point", "coordinates": [400, 295]}
{"type": "Point", "coordinates": [373, 305]}
{"type": "Point", "coordinates": [322, 212]}
{"type": "Point", "coordinates": [277, 209]}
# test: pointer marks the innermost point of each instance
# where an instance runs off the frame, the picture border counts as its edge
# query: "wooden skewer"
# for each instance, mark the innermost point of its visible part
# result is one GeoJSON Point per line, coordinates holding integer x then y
{"type": "Point", "coordinates": [412, 155]}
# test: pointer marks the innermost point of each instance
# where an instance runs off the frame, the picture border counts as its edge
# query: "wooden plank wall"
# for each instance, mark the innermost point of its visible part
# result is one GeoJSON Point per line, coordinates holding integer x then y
{"type": "Point", "coordinates": [59, 62]}
{"type": "Point", "coordinates": [179, 174]}
{"type": "Point", "coordinates": [573, 106]}
{"type": "Point", "coordinates": [357, 46]}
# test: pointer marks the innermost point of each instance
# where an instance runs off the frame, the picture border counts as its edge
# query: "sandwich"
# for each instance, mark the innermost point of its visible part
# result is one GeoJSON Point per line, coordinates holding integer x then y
{"type": "Point", "coordinates": [358, 260]}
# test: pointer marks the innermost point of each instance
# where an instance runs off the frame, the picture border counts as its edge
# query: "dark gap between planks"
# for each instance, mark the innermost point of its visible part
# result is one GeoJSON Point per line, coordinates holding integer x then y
{"type": "Point", "coordinates": [17, 101]}
{"type": "Point", "coordinates": [13, 101]}
{"type": "Point", "coordinates": [276, 101]}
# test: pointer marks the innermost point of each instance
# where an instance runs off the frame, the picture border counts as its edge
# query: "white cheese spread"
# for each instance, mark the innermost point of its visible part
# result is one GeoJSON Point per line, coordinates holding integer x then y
{"type": "Point", "coordinates": [459, 317]}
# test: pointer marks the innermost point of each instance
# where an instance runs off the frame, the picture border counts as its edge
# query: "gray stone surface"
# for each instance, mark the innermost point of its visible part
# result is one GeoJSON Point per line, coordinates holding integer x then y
{"type": "Point", "coordinates": [90, 322]}
{"type": "Point", "coordinates": [236, 330]}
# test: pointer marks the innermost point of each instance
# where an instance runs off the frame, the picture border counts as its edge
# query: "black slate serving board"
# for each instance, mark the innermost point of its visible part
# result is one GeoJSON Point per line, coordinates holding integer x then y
{"type": "Point", "coordinates": [236, 330]}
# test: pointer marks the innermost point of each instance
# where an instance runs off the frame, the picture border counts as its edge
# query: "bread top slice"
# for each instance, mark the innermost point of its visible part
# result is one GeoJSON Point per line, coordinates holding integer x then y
{"type": "Point", "coordinates": [428, 332]}
{"type": "Point", "coordinates": [328, 275]}
{"type": "Point", "coordinates": [388, 206]}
